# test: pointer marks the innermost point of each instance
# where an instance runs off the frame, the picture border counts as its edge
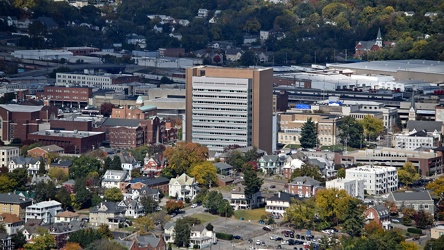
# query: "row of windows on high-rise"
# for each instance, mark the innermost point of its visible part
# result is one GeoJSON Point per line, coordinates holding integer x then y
{"type": "Point", "coordinates": [219, 103]}
{"type": "Point", "coordinates": [220, 96]}
{"type": "Point", "coordinates": [219, 121]}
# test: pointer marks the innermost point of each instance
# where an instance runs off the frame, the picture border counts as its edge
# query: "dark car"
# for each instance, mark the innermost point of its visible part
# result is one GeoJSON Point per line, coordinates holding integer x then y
{"type": "Point", "coordinates": [286, 235]}
{"type": "Point", "coordinates": [237, 237]}
{"type": "Point", "coordinates": [273, 186]}
{"type": "Point", "coordinates": [266, 228]}
{"type": "Point", "coordinates": [298, 242]}
{"type": "Point", "coordinates": [278, 239]}
{"type": "Point", "coordinates": [298, 236]}
{"type": "Point", "coordinates": [292, 235]}
{"type": "Point", "coordinates": [291, 242]}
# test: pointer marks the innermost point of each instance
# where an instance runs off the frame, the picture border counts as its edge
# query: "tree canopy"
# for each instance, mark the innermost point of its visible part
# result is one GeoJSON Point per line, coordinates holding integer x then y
{"type": "Point", "coordinates": [351, 132]}
{"type": "Point", "coordinates": [408, 174]}
{"type": "Point", "coordinates": [184, 155]}
{"type": "Point", "coordinates": [309, 134]}
{"type": "Point", "coordinates": [205, 173]}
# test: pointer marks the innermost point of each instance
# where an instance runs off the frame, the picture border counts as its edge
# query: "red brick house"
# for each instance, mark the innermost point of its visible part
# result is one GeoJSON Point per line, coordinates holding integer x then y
{"type": "Point", "coordinates": [303, 186]}
{"type": "Point", "coordinates": [153, 166]}
{"type": "Point", "coordinates": [379, 214]}
{"type": "Point", "coordinates": [43, 151]}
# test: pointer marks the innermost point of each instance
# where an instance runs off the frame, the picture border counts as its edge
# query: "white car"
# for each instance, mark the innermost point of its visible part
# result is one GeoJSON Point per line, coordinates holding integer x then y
{"type": "Point", "coordinates": [194, 206]}
{"type": "Point", "coordinates": [273, 237]}
{"type": "Point", "coordinates": [258, 242]}
{"type": "Point", "coordinates": [284, 242]}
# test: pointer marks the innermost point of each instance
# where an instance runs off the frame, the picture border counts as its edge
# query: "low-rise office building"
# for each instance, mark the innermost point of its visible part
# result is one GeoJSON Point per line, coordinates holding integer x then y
{"type": "Point", "coordinates": [354, 187]}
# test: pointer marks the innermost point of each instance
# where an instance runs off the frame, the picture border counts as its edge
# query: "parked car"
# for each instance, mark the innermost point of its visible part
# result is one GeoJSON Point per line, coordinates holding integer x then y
{"type": "Point", "coordinates": [258, 242]}
{"type": "Point", "coordinates": [237, 237]}
{"type": "Point", "coordinates": [194, 205]}
{"type": "Point", "coordinates": [278, 239]}
{"type": "Point", "coordinates": [291, 242]}
{"type": "Point", "coordinates": [273, 237]}
{"type": "Point", "coordinates": [267, 228]}
{"type": "Point", "coordinates": [284, 242]}
{"type": "Point", "coordinates": [273, 186]}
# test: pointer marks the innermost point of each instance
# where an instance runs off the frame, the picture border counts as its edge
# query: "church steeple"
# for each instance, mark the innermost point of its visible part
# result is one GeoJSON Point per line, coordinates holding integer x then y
{"type": "Point", "coordinates": [379, 38]}
{"type": "Point", "coordinates": [412, 111]}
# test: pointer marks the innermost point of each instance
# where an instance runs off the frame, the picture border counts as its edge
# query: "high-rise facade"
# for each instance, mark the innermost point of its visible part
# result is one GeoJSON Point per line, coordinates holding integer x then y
{"type": "Point", "coordinates": [229, 106]}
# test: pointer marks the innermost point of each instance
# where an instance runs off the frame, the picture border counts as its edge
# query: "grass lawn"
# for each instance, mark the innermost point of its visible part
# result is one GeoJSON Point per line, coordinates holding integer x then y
{"type": "Point", "coordinates": [204, 218]}
{"type": "Point", "coordinates": [292, 146]}
{"type": "Point", "coordinates": [83, 211]}
{"type": "Point", "coordinates": [253, 215]}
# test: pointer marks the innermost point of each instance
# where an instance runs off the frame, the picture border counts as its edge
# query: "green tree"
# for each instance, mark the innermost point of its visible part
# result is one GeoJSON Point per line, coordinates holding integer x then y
{"type": "Point", "coordinates": [42, 168]}
{"type": "Point", "coordinates": [82, 166]}
{"type": "Point", "coordinates": [205, 173]}
{"type": "Point", "coordinates": [144, 225]}
{"type": "Point", "coordinates": [85, 236]}
{"type": "Point", "coordinates": [301, 213]}
{"type": "Point", "coordinates": [173, 206]}
{"type": "Point", "coordinates": [373, 127]}
{"type": "Point", "coordinates": [308, 170]}
{"type": "Point", "coordinates": [7, 184]}
{"type": "Point", "coordinates": [437, 186]}
{"type": "Point", "coordinates": [351, 132]}
{"type": "Point", "coordinates": [435, 244]}
{"type": "Point", "coordinates": [251, 182]}
{"type": "Point", "coordinates": [236, 159]}
{"type": "Point", "coordinates": [225, 209]}
{"type": "Point", "coordinates": [183, 231]}
{"type": "Point", "coordinates": [149, 204]}
{"type": "Point", "coordinates": [45, 191]}
{"type": "Point", "coordinates": [341, 173]}
{"type": "Point", "coordinates": [116, 163]}
{"type": "Point", "coordinates": [64, 197]}
{"type": "Point", "coordinates": [408, 174]}
{"type": "Point", "coordinates": [113, 194]}
{"type": "Point", "coordinates": [334, 205]}
{"type": "Point", "coordinates": [248, 58]}
{"type": "Point", "coordinates": [58, 174]}
{"type": "Point", "coordinates": [105, 231]}
{"type": "Point", "coordinates": [201, 195]}
{"type": "Point", "coordinates": [44, 241]}
{"type": "Point", "coordinates": [212, 201]}
{"type": "Point", "coordinates": [19, 239]}
{"type": "Point", "coordinates": [107, 164]}
{"type": "Point", "coordinates": [20, 176]}
{"type": "Point", "coordinates": [309, 134]}
{"type": "Point", "coordinates": [82, 194]}
{"type": "Point", "coordinates": [353, 220]}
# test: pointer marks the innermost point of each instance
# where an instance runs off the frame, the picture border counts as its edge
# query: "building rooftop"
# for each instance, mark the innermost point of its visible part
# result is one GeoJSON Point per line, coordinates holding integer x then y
{"type": "Point", "coordinates": [21, 108]}
{"type": "Point", "coordinates": [13, 199]}
{"type": "Point", "coordinates": [410, 196]}
{"type": "Point", "coordinates": [112, 122]}
{"type": "Point", "coordinates": [67, 133]}
{"type": "Point", "coordinates": [67, 214]}
{"type": "Point", "coordinates": [425, 66]}
{"type": "Point", "coordinates": [45, 204]}
{"type": "Point", "coordinates": [369, 168]}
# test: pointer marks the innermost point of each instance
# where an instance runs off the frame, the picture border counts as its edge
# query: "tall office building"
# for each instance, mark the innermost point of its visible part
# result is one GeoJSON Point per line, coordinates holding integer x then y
{"type": "Point", "coordinates": [227, 106]}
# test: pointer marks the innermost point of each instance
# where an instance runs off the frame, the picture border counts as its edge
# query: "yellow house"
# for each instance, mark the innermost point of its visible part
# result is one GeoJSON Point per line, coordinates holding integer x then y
{"type": "Point", "coordinates": [437, 232]}
{"type": "Point", "coordinates": [14, 204]}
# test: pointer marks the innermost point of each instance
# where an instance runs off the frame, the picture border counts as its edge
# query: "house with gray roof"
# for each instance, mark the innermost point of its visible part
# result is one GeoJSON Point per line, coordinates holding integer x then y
{"type": "Point", "coordinates": [14, 204]}
{"type": "Point", "coordinates": [201, 237]}
{"type": "Point", "coordinates": [29, 163]}
{"type": "Point", "coordinates": [223, 168]}
{"type": "Point", "coordinates": [108, 213]}
{"type": "Point", "coordinates": [271, 164]}
{"type": "Point", "coordinates": [239, 200]}
{"type": "Point", "coordinates": [169, 232]}
{"type": "Point", "coordinates": [378, 214]}
{"type": "Point", "coordinates": [432, 128]}
{"type": "Point", "coordinates": [278, 203]}
{"type": "Point", "coordinates": [151, 241]}
{"type": "Point", "coordinates": [112, 178]}
{"type": "Point", "coordinates": [416, 200]}
{"type": "Point", "coordinates": [303, 186]}
{"type": "Point", "coordinates": [133, 208]}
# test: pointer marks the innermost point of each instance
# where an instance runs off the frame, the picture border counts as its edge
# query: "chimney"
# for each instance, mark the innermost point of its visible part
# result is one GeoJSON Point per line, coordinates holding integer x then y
{"type": "Point", "coordinates": [279, 194]}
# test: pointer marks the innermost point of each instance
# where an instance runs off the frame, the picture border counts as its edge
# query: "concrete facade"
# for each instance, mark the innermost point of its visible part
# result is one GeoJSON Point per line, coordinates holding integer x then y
{"type": "Point", "coordinates": [226, 106]}
{"type": "Point", "coordinates": [377, 179]}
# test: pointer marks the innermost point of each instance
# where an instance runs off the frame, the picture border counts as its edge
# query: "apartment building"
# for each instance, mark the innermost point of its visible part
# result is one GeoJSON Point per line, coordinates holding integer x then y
{"type": "Point", "coordinates": [226, 106]}
{"type": "Point", "coordinates": [354, 187]}
{"type": "Point", "coordinates": [427, 163]}
{"type": "Point", "coordinates": [7, 154]}
{"type": "Point", "coordinates": [103, 81]}
{"type": "Point", "coordinates": [377, 179]}
{"type": "Point", "coordinates": [291, 123]}
{"type": "Point", "coordinates": [303, 186]}
{"type": "Point", "coordinates": [113, 178]}
{"type": "Point", "coordinates": [14, 204]}
{"type": "Point", "coordinates": [415, 140]}
{"type": "Point", "coordinates": [45, 210]}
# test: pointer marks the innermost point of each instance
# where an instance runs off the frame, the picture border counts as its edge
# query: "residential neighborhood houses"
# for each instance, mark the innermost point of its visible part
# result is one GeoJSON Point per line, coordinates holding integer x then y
{"type": "Point", "coordinates": [141, 125]}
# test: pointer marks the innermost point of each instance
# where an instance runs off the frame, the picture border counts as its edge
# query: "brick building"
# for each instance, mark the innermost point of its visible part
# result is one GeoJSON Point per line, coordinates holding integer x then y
{"type": "Point", "coordinates": [80, 125]}
{"type": "Point", "coordinates": [303, 186]}
{"type": "Point", "coordinates": [18, 121]}
{"type": "Point", "coordinates": [132, 112]}
{"type": "Point", "coordinates": [66, 96]}
{"type": "Point", "coordinates": [160, 183]}
{"type": "Point", "coordinates": [131, 133]}
{"type": "Point", "coordinates": [82, 51]}
{"type": "Point", "coordinates": [73, 142]}
{"type": "Point", "coordinates": [43, 151]}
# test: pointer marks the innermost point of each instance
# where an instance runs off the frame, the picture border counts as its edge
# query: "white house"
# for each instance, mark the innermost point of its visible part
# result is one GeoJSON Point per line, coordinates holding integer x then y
{"type": "Point", "coordinates": [112, 178]}
{"type": "Point", "coordinates": [29, 163]}
{"type": "Point", "coordinates": [66, 216]}
{"type": "Point", "coordinates": [128, 162]}
{"type": "Point", "coordinates": [354, 187]}
{"type": "Point", "coordinates": [132, 208]}
{"type": "Point", "coordinates": [183, 187]}
{"type": "Point", "coordinates": [278, 203]}
{"type": "Point", "coordinates": [201, 13]}
{"type": "Point", "coordinates": [45, 210]}
{"type": "Point", "coordinates": [169, 233]}
{"type": "Point", "coordinates": [240, 201]}
{"type": "Point", "coordinates": [377, 179]}
{"type": "Point", "coordinates": [12, 223]}
{"type": "Point", "coordinates": [201, 237]}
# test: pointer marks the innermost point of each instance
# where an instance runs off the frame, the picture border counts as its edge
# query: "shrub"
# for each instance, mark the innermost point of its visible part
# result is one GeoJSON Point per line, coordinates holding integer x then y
{"type": "Point", "coordinates": [414, 230]}
{"type": "Point", "coordinates": [224, 236]}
